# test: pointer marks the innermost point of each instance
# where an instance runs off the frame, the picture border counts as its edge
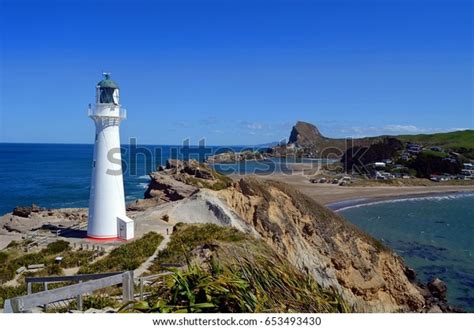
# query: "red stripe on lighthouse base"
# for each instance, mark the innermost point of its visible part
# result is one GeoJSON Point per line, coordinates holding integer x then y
{"type": "Point", "coordinates": [103, 239]}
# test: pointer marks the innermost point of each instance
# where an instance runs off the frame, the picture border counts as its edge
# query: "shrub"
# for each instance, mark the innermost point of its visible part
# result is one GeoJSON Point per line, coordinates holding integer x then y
{"type": "Point", "coordinates": [3, 257]}
{"type": "Point", "coordinates": [246, 286]}
{"type": "Point", "coordinates": [57, 246]}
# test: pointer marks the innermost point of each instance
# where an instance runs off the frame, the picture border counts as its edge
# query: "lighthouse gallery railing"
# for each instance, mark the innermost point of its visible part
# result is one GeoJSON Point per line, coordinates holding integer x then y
{"type": "Point", "coordinates": [107, 110]}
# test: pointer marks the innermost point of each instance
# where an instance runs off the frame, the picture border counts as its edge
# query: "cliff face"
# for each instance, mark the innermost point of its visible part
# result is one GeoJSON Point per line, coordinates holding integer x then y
{"type": "Point", "coordinates": [369, 276]}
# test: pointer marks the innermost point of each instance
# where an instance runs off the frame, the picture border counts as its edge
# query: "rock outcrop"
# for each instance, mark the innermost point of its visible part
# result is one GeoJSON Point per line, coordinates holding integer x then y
{"type": "Point", "coordinates": [178, 180]}
{"type": "Point", "coordinates": [303, 134]}
{"type": "Point", "coordinates": [35, 218]}
{"type": "Point", "coordinates": [234, 157]}
{"type": "Point", "coordinates": [26, 211]}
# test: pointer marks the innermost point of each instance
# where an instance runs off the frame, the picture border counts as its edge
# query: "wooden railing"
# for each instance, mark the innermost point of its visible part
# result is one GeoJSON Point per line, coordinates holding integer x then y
{"type": "Point", "coordinates": [92, 283]}
{"type": "Point", "coordinates": [149, 280]}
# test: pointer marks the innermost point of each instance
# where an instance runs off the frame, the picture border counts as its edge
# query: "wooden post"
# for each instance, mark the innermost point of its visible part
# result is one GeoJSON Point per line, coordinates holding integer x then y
{"type": "Point", "coordinates": [7, 307]}
{"type": "Point", "coordinates": [141, 287]}
{"type": "Point", "coordinates": [127, 286]}
{"type": "Point", "coordinates": [79, 300]}
{"type": "Point", "coordinates": [45, 289]}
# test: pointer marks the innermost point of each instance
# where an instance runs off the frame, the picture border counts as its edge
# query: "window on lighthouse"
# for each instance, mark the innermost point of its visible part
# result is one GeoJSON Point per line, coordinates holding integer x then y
{"type": "Point", "coordinates": [107, 95]}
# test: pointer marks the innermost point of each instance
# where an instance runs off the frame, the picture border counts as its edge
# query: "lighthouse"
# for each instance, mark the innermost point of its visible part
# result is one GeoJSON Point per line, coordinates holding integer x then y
{"type": "Point", "coordinates": [107, 216]}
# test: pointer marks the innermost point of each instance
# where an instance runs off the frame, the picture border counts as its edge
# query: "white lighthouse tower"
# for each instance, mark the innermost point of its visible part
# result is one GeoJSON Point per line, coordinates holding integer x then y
{"type": "Point", "coordinates": [107, 217]}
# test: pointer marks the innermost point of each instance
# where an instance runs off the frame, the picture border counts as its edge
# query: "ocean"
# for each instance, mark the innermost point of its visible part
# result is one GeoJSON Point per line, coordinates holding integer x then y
{"type": "Point", "coordinates": [58, 175]}
{"type": "Point", "coordinates": [434, 235]}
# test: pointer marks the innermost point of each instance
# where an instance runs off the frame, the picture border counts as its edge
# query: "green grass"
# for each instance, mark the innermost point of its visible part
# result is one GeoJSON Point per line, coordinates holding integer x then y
{"type": "Point", "coordinates": [434, 153]}
{"type": "Point", "coordinates": [241, 274]}
{"type": "Point", "coordinates": [14, 257]}
{"type": "Point", "coordinates": [126, 257]}
{"type": "Point", "coordinates": [456, 140]}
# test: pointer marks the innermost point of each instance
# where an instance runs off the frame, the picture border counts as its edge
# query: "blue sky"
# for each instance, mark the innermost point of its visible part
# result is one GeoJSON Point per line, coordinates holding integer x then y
{"type": "Point", "coordinates": [236, 72]}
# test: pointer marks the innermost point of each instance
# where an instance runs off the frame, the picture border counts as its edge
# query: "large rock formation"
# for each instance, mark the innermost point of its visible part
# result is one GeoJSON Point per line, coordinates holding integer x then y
{"type": "Point", "coordinates": [304, 134]}
{"type": "Point", "coordinates": [178, 180]}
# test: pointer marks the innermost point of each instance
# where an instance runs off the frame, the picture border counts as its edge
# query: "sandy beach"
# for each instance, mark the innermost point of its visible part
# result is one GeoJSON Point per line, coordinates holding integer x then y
{"type": "Point", "coordinates": [329, 194]}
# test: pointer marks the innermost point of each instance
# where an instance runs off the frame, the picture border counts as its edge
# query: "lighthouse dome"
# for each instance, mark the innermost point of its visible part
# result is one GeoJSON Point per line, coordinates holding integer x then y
{"type": "Point", "coordinates": [107, 91]}
{"type": "Point", "coordinates": [107, 82]}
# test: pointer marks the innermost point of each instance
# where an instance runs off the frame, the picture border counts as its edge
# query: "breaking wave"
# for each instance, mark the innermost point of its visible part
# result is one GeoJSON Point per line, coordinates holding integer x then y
{"type": "Point", "coordinates": [357, 203]}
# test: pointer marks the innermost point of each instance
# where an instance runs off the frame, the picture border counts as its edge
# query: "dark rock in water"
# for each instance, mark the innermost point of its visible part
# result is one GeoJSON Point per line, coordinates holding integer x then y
{"type": "Point", "coordinates": [424, 291]}
{"type": "Point", "coordinates": [410, 273]}
{"type": "Point", "coordinates": [438, 288]}
{"type": "Point", "coordinates": [25, 211]}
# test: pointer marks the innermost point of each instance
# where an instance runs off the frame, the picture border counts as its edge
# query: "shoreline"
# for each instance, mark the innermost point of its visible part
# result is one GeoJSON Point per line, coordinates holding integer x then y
{"type": "Point", "coordinates": [342, 205]}
{"type": "Point", "coordinates": [336, 197]}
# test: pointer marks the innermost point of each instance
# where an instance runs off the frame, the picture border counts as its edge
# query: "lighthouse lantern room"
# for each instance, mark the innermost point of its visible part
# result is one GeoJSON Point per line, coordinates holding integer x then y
{"type": "Point", "coordinates": [107, 216]}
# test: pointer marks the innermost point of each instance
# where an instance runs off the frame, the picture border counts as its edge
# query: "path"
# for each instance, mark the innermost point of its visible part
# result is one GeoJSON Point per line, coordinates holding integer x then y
{"type": "Point", "coordinates": [145, 265]}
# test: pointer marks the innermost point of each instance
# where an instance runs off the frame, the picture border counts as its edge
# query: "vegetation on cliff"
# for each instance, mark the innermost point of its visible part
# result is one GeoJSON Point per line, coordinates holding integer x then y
{"type": "Point", "coordinates": [228, 271]}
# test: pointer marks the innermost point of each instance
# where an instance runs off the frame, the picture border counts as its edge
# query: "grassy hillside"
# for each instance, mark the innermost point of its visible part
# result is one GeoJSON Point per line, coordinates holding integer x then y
{"type": "Point", "coordinates": [455, 140]}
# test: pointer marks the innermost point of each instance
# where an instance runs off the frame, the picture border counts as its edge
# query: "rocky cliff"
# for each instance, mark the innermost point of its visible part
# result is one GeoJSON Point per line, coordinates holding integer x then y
{"type": "Point", "coordinates": [369, 276]}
